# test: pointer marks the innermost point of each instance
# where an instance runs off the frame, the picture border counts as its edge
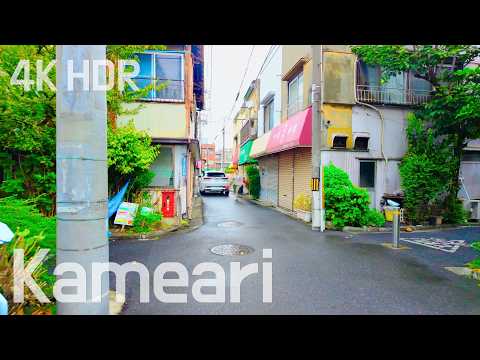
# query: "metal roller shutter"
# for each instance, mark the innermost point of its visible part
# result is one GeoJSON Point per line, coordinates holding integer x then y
{"type": "Point", "coordinates": [285, 179]}
{"type": "Point", "coordinates": [302, 171]}
{"type": "Point", "coordinates": [269, 179]}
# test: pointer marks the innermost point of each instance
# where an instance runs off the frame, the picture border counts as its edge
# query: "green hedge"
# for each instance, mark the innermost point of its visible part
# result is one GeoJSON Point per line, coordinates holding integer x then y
{"type": "Point", "coordinates": [346, 204]}
{"type": "Point", "coordinates": [253, 177]}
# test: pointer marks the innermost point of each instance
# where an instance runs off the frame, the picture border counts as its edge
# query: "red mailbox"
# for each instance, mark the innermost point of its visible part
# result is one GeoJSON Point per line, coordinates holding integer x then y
{"type": "Point", "coordinates": [168, 203]}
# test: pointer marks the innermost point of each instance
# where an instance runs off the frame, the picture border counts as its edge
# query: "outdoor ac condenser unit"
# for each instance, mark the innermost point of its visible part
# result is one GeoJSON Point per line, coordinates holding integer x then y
{"type": "Point", "coordinates": [475, 206]}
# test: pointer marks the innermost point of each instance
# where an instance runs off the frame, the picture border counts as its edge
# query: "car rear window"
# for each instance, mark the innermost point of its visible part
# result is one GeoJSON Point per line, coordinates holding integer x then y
{"type": "Point", "coordinates": [215, 174]}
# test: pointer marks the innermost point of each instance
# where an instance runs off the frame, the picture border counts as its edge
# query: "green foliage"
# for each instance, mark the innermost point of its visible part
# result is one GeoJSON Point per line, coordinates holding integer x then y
{"type": "Point", "coordinates": [303, 202]}
{"type": "Point", "coordinates": [335, 177]}
{"type": "Point", "coordinates": [475, 264]}
{"type": "Point", "coordinates": [21, 214]}
{"type": "Point", "coordinates": [31, 244]}
{"type": "Point", "coordinates": [373, 217]}
{"type": "Point", "coordinates": [27, 121]}
{"type": "Point", "coordinates": [454, 212]}
{"type": "Point", "coordinates": [147, 222]}
{"type": "Point", "coordinates": [441, 127]}
{"type": "Point", "coordinates": [130, 154]}
{"type": "Point", "coordinates": [426, 174]}
{"type": "Point", "coordinates": [253, 178]}
{"type": "Point", "coordinates": [346, 204]}
{"type": "Point", "coordinates": [136, 189]}
{"type": "Point", "coordinates": [422, 60]}
{"type": "Point", "coordinates": [27, 128]}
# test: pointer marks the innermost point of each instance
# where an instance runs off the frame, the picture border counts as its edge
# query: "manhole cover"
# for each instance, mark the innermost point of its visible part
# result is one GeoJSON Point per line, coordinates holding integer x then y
{"type": "Point", "coordinates": [231, 250]}
{"type": "Point", "coordinates": [228, 224]}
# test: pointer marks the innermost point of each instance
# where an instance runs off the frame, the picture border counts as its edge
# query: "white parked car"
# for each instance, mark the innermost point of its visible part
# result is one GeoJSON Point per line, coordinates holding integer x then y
{"type": "Point", "coordinates": [214, 182]}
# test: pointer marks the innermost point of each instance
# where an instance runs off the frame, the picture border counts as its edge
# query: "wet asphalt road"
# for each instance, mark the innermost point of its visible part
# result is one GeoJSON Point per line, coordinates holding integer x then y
{"type": "Point", "coordinates": [313, 273]}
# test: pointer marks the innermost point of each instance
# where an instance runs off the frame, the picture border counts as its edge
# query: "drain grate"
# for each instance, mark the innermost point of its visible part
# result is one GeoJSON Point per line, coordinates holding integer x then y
{"type": "Point", "coordinates": [229, 224]}
{"type": "Point", "coordinates": [231, 250]}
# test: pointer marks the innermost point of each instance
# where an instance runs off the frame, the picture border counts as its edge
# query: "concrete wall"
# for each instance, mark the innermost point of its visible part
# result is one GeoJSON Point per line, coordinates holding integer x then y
{"type": "Point", "coordinates": [339, 77]}
{"type": "Point", "coordinates": [470, 171]}
{"type": "Point", "coordinates": [367, 121]}
{"type": "Point", "coordinates": [271, 83]}
{"type": "Point", "coordinates": [387, 177]}
{"type": "Point", "coordinates": [160, 120]}
{"type": "Point", "coordinates": [291, 54]}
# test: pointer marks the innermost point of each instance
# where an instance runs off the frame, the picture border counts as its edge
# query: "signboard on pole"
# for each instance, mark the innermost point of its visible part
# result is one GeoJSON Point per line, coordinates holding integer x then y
{"type": "Point", "coordinates": [125, 214]}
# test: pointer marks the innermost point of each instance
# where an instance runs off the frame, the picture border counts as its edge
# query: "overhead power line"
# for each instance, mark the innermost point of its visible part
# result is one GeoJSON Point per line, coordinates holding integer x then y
{"type": "Point", "coordinates": [241, 83]}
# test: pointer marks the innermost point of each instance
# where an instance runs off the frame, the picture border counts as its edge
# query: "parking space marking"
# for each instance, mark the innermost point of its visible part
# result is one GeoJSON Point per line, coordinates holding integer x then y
{"type": "Point", "coordinates": [449, 246]}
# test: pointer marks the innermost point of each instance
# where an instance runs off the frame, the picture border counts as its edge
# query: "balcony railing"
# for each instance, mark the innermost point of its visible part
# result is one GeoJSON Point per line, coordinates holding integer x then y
{"type": "Point", "coordinates": [247, 132]}
{"type": "Point", "coordinates": [164, 89]}
{"type": "Point", "coordinates": [394, 96]}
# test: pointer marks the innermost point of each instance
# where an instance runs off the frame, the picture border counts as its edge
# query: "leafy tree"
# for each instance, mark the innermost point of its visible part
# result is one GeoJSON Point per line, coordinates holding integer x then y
{"type": "Point", "coordinates": [27, 121]}
{"type": "Point", "coordinates": [27, 129]}
{"type": "Point", "coordinates": [451, 118]}
{"type": "Point", "coordinates": [130, 154]}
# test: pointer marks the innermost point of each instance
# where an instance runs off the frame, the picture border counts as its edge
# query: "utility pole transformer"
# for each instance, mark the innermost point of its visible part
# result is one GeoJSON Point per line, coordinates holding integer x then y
{"type": "Point", "coordinates": [318, 128]}
{"type": "Point", "coordinates": [82, 175]}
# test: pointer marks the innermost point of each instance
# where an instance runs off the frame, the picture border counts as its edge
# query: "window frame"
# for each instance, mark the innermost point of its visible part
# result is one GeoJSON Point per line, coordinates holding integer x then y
{"type": "Point", "coordinates": [299, 99]}
{"type": "Point", "coordinates": [153, 75]}
{"type": "Point", "coordinates": [374, 174]}
{"type": "Point", "coordinates": [172, 153]}
{"type": "Point", "coordinates": [270, 105]}
{"type": "Point", "coordinates": [382, 93]}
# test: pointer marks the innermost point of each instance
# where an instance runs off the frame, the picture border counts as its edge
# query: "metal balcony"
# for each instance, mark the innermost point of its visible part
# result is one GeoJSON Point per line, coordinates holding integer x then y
{"type": "Point", "coordinates": [247, 132]}
{"type": "Point", "coordinates": [394, 96]}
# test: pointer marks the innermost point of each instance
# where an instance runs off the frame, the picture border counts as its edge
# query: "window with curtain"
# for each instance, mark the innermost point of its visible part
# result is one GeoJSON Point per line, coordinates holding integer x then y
{"type": "Point", "coordinates": [164, 72]}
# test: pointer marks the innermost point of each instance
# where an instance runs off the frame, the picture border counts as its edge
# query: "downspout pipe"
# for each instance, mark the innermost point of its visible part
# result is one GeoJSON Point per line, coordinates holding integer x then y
{"type": "Point", "coordinates": [382, 121]}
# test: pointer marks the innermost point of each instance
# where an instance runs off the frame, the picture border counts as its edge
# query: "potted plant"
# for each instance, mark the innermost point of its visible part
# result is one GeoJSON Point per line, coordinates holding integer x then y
{"type": "Point", "coordinates": [303, 207]}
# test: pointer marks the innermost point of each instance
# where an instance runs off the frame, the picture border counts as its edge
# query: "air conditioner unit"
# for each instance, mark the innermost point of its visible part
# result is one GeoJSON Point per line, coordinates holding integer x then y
{"type": "Point", "coordinates": [475, 209]}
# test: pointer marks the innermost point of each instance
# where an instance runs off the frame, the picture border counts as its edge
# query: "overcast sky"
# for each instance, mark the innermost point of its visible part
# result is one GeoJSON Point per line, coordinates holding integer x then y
{"type": "Point", "coordinates": [224, 69]}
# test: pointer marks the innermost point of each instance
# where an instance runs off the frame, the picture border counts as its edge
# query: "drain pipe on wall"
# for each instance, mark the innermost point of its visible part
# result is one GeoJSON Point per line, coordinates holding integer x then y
{"type": "Point", "coordinates": [382, 120]}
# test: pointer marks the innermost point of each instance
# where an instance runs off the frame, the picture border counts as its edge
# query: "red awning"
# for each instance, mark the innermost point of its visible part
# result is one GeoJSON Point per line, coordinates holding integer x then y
{"type": "Point", "coordinates": [295, 132]}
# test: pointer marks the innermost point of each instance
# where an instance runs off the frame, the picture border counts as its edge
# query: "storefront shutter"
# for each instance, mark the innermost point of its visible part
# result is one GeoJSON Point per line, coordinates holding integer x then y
{"type": "Point", "coordinates": [269, 178]}
{"type": "Point", "coordinates": [285, 179]}
{"type": "Point", "coordinates": [302, 171]}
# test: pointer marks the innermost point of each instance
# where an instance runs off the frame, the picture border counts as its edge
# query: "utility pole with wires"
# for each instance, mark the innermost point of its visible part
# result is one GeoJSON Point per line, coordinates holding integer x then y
{"type": "Point", "coordinates": [81, 138]}
{"type": "Point", "coordinates": [318, 132]}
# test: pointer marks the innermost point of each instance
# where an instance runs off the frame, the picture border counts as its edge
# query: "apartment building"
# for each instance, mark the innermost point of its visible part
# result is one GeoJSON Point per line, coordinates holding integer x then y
{"type": "Point", "coordinates": [245, 127]}
{"type": "Point", "coordinates": [170, 115]}
{"type": "Point", "coordinates": [365, 120]}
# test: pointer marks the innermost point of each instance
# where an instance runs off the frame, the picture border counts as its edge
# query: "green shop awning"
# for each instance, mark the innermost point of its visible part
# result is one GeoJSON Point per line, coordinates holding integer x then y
{"type": "Point", "coordinates": [245, 154]}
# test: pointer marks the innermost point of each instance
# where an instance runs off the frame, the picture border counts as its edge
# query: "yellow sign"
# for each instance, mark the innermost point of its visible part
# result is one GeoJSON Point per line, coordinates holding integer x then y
{"type": "Point", "coordinates": [315, 184]}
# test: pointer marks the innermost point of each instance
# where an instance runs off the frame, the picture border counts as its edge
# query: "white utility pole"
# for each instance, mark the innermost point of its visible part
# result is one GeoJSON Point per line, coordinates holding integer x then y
{"type": "Point", "coordinates": [82, 174]}
{"type": "Point", "coordinates": [318, 129]}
